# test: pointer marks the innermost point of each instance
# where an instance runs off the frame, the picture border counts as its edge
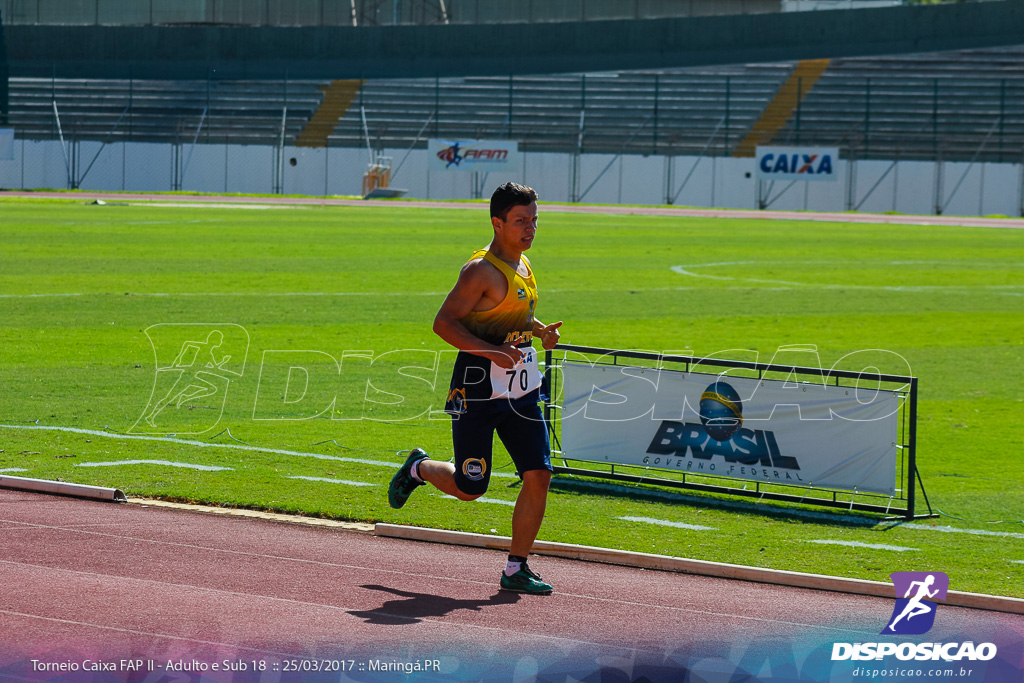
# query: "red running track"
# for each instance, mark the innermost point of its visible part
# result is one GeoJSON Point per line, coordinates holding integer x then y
{"type": "Point", "coordinates": [84, 582]}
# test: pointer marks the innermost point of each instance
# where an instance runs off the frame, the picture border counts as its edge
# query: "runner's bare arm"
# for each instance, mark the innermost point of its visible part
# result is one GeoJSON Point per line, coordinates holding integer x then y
{"type": "Point", "coordinates": [473, 291]}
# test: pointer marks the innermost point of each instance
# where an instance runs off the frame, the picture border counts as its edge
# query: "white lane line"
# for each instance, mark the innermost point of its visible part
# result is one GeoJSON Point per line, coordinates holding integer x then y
{"type": "Point", "coordinates": [665, 522]}
{"type": "Point", "coordinates": [167, 463]}
{"type": "Point", "coordinates": [288, 601]}
{"type": "Point", "coordinates": [148, 634]}
{"type": "Point", "coordinates": [406, 574]}
{"type": "Point", "coordinates": [870, 546]}
{"type": "Point", "coordinates": [333, 481]}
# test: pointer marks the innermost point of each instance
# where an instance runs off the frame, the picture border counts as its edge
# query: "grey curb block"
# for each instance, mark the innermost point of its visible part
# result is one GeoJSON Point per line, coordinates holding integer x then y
{"type": "Point", "coordinates": [571, 551]}
{"type": "Point", "coordinates": [62, 488]}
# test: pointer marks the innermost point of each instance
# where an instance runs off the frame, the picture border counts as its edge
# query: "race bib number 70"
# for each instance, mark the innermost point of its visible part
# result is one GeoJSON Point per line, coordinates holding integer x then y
{"type": "Point", "coordinates": [518, 381]}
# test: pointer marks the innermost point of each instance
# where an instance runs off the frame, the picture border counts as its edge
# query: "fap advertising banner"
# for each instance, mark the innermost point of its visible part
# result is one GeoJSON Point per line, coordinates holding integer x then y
{"type": "Point", "coordinates": [472, 155]}
{"type": "Point", "coordinates": [797, 163]}
{"type": "Point", "coordinates": [771, 431]}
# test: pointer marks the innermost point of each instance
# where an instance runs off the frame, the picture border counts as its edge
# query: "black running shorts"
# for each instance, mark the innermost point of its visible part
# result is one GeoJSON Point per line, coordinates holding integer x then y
{"type": "Point", "coordinates": [520, 427]}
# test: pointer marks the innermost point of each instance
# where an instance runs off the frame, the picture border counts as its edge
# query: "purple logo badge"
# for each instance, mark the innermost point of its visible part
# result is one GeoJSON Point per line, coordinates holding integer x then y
{"type": "Point", "coordinates": [916, 593]}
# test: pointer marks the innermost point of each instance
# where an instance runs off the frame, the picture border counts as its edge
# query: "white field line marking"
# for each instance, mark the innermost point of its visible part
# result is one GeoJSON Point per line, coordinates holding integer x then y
{"type": "Point", "coordinates": [201, 294]}
{"type": "Point", "coordinates": [684, 270]}
{"type": "Point", "coordinates": [782, 286]}
{"type": "Point", "coordinates": [493, 501]}
{"type": "Point", "coordinates": [382, 463]}
{"type": "Point", "coordinates": [207, 444]}
{"type": "Point", "coordinates": [211, 205]}
{"type": "Point", "coordinates": [333, 481]}
{"type": "Point", "coordinates": [168, 463]}
{"type": "Point", "coordinates": [680, 497]}
{"type": "Point", "coordinates": [665, 522]}
{"type": "Point", "coordinates": [871, 546]}
{"type": "Point", "coordinates": [1017, 561]}
{"type": "Point", "coordinates": [951, 530]}
{"type": "Point", "coordinates": [14, 469]}
{"type": "Point", "coordinates": [312, 294]}
{"type": "Point", "coordinates": [496, 501]}
{"type": "Point", "coordinates": [807, 514]}
{"type": "Point", "coordinates": [202, 444]}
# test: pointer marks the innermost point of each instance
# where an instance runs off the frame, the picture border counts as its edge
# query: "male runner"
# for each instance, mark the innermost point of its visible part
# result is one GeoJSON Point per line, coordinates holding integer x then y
{"type": "Point", "coordinates": [489, 317]}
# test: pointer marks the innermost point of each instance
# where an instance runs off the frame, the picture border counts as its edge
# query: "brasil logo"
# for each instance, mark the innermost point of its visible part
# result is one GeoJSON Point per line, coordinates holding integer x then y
{"type": "Point", "coordinates": [721, 411]}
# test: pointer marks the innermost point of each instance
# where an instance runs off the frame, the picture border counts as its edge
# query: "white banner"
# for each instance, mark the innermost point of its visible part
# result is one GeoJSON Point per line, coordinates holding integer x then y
{"type": "Point", "coordinates": [771, 431]}
{"type": "Point", "coordinates": [472, 155]}
{"type": "Point", "coordinates": [797, 163]}
{"type": "Point", "coordinates": [6, 144]}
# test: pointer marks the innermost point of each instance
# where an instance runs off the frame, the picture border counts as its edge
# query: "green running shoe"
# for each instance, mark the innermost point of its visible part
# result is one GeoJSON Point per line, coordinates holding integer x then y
{"type": "Point", "coordinates": [526, 568]}
{"type": "Point", "coordinates": [402, 484]}
{"type": "Point", "coordinates": [525, 581]}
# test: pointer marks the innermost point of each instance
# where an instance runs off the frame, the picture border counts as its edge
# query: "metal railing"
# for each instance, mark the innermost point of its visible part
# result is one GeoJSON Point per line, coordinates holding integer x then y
{"type": "Point", "coordinates": [393, 12]}
{"type": "Point", "coordinates": [970, 116]}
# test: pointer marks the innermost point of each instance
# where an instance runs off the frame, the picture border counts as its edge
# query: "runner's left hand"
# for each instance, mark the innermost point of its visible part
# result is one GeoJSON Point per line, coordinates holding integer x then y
{"type": "Point", "coordinates": [549, 335]}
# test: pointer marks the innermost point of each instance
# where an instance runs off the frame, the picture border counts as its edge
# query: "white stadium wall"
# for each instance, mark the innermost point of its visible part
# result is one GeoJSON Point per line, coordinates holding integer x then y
{"type": "Point", "coordinates": [912, 187]}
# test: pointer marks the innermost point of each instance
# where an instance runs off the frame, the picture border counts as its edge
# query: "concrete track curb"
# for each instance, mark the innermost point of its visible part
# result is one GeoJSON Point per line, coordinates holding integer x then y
{"type": "Point", "coordinates": [702, 567]}
{"type": "Point", "coordinates": [62, 488]}
{"type": "Point", "coordinates": [254, 514]}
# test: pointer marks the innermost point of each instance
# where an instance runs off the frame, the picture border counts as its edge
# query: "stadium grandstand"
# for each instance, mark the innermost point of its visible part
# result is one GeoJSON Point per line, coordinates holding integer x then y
{"type": "Point", "coordinates": [940, 105]}
{"type": "Point", "coordinates": [944, 106]}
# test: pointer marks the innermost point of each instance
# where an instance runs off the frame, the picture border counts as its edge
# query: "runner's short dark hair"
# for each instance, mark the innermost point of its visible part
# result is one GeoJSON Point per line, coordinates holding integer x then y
{"type": "Point", "coordinates": [509, 195]}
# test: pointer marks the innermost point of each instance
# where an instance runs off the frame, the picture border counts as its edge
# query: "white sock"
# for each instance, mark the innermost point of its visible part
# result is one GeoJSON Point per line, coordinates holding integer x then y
{"type": "Point", "coordinates": [414, 471]}
{"type": "Point", "coordinates": [514, 565]}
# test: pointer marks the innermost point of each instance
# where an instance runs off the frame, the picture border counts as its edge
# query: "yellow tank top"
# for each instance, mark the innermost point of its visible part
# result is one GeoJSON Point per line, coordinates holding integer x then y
{"type": "Point", "coordinates": [511, 321]}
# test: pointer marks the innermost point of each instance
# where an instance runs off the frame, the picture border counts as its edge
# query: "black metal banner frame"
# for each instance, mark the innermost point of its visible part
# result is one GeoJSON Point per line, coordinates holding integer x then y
{"type": "Point", "coordinates": [901, 505]}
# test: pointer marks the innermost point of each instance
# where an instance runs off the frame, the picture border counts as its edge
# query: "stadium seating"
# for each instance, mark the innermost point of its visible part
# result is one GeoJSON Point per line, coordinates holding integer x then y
{"type": "Point", "coordinates": [950, 106]}
{"type": "Point", "coordinates": [947, 106]}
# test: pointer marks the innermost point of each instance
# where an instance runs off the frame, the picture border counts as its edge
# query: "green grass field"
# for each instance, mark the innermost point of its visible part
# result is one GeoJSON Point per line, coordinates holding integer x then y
{"type": "Point", "coordinates": [84, 289]}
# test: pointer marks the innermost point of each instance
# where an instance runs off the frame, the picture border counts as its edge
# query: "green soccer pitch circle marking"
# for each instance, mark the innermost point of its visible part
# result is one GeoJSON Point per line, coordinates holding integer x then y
{"type": "Point", "coordinates": [688, 270]}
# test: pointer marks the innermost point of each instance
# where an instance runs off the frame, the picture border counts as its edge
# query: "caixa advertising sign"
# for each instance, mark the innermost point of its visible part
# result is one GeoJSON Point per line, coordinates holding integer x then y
{"type": "Point", "coordinates": [797, 163]}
